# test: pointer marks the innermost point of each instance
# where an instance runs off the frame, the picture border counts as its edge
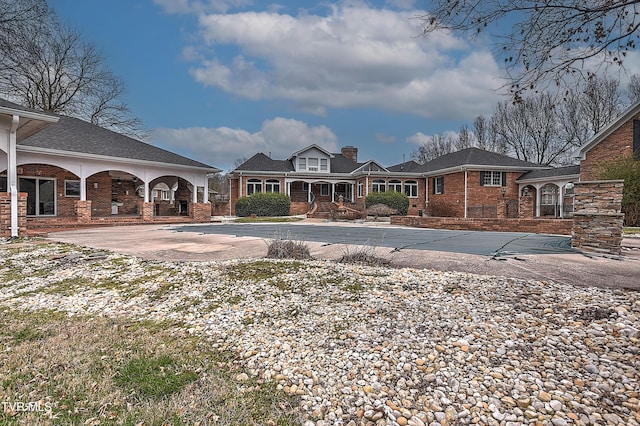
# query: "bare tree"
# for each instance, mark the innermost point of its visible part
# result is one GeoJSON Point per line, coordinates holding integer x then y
{"type": "Point", "coordinates": [436, 146]}
{"type": "Point", "coordinates": [549, 40]}
{"type": "Point", "coordinates": [49, 67]}
{"type": "Point", "coordinates": [634, 88]}
{"type": "Point", "coordinates": [465, 138]}
{"type": "Point", "coordinates": [601, 102]}
{"type": "Point", "coordinates": [484, 131]}
{"type": "Point", "coordinates": [532, 131]}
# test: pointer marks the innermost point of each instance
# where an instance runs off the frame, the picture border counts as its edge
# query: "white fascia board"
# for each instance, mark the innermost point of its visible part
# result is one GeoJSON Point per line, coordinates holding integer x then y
{"type": "Point", "coordinates": [32, 115]}
{"type": "Point", "coordinates": [59, 153]}
{"type": "Point", "coordinates": [549, 179]}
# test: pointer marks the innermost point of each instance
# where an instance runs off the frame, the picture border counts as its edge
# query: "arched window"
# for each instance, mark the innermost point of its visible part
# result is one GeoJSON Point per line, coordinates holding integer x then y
{"type": "Point", "coordinates": [411, 189]}
{"type": "Point", "coordinates": [253, 186]}
{"type": "Point", "coordinates": [378, 185]}
{"type": "Point", "coordinates": [395, 185]}
{"type": "Point", "coordinates": [272, 185]}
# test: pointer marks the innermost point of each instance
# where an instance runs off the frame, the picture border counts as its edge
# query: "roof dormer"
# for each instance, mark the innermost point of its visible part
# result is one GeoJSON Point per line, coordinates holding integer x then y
{"type": "Point", "coordinates": [312, 159]}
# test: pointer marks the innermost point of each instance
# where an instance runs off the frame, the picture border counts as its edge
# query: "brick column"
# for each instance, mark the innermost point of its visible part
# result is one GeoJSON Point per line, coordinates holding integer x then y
{"type": "Point", "coordinates": [597, 223]}
{"type": "Point", "coordinates": [147, 212]}
{"type": "Point", "coordinates": [200, 212]}
{"type": "Point", "coordinates": [5, 214]}
{"type": "Point", "coordinates": [501, 208]}
{"type": "Point", "coordinates": [83, 211]}
{"type": "Point", "coordinates": [526, 207]}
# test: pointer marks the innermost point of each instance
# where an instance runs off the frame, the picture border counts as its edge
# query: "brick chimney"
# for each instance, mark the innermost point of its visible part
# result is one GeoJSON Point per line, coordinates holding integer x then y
{"type": "Point", "coordinates": [351, 152]}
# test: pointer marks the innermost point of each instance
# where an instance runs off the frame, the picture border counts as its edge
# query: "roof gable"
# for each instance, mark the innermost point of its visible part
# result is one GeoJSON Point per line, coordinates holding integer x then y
{"type": "Point", "coordinates": [310, 148]}
{"type": "Point", "coordinates": [77, 136]}
{"type": "Point", "coordinates": [627, 115]}
{"type": "Point", "coordinates": [371, 166]}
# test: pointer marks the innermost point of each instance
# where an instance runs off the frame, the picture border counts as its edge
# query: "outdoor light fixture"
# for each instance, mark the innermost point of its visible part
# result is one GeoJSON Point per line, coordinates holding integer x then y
{"type": "Point", "coordinates": [525, 191]}
{"type": "Point", "coordinates": [504, 191]}
{"type": "Point", "coordinates": [95, 185]}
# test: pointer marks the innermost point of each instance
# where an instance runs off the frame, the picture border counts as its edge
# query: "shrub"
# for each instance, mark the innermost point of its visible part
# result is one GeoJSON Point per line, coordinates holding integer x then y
{"type": "Point", "coordinates": [395, 200]}
{"type": "Point", "coordinates": [381, 210]}
{"type": "Point", "coordinates": [263, 204]}
{"type": "Point", "coordinates": [286, 247]}
{"type": "Point", "coordinates": [629, 170]}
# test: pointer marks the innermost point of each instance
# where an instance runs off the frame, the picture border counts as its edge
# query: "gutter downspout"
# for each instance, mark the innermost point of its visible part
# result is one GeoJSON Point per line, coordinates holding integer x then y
{"type": "Point", "coordinates": [13, 175]}
{"type": "Point", "coordinates": [465, 191]}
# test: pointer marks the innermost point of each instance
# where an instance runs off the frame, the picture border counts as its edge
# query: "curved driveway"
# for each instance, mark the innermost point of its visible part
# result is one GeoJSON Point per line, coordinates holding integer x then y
{"type": "Point", "coordinates": [469, 242]}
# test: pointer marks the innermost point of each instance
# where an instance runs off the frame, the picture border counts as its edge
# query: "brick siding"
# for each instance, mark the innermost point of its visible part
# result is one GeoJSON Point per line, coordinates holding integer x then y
{"type": "Point", "coordinates": [617, 145]}
{"type": "Point", "coordinates": [5, 214]}
{"type": "Point", "coordinates": [543, 226]}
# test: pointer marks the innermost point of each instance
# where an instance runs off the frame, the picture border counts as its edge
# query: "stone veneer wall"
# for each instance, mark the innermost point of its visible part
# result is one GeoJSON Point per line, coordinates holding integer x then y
{"type": "Point", "coordinates": [597, 223]}
{"type": "Point", "coordinates": [5, 214]}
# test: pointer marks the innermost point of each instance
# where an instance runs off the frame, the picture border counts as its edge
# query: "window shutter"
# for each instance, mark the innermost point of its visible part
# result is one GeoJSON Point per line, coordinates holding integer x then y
{"type": "Point", "coordinates": [433, 186]}
{"type": "Point", "coordinates": [504, 178]}
{"type": "Point", "coordinates": [636, 139]}
{"type": "Point", "coordinates": [482, 174]}
{"type": "Point", "coordinates": [442, 180]}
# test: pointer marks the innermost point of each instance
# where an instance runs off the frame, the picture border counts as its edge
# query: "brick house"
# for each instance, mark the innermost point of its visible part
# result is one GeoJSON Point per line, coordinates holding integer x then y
{"type": "Point", "coordinates": [470, 183]}
{"type": "Point", "coordinates": [620, 138]}
{"type": "Point", "coordinates": [69, 171]}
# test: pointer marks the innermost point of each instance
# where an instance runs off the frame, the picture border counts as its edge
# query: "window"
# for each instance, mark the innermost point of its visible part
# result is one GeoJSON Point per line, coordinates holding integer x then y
{"type": "Point", "coordinates": [313, 164]}
{"type": "Point", "coordinates": [395, 185]}
{"type": "Point", "coordinates": [305, 186]}
{"type": "Point", "coordinates": [493, 178]}
{"type": "Point", "coordinates": [360, 189]}
{"type": "Point", "coordinates": [71, 188]}
{"type": "Point", "coordinates": [41, 195]}
{"type": "Point", "coordinates": [253, 186]}
{"type": "Point", "coordinates": [3, 184]}
{"type": "Point", "coordinates": [272, 185]}
{"type": "Point", "coordinates": [161, 194]}
{"type": "Point", "coordinates": [548, 195]}
{"type": "Point", "coordinates": [324, 164]}
{"type": "Point", "coordinates": [438, 185]}
{"type": "Point", "coordinates": [302, 163]}
{"type": "Point", "coordinates": [378, 185]}
{"type": "Point", "coordinates": [324, 189]}
{"type": "Point", "coordinates": [411, 189]}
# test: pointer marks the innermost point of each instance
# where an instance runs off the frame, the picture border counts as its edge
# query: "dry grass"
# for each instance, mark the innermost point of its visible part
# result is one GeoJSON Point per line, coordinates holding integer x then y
{"type": "Point", "coordinates": [95, 371]}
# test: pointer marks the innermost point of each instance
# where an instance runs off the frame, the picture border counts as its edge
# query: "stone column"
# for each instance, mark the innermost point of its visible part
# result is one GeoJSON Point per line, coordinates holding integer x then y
{"type": "Point", "coordinates": [598, 220]}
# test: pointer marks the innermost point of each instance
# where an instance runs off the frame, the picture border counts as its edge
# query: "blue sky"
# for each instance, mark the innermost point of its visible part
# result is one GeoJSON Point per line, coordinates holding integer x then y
{"type": "Point", "coordinates": [218, 80]}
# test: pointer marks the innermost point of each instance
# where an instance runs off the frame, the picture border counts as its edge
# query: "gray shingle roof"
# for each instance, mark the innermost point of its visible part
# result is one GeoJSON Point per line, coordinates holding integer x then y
{"type": "Point", "coordinates": [262, 163]}
{"type": "Point", "coordinates": [342, 164]}
{"type": "Point", "coordinates": [551, 173]}
{"type": "Point", "coordinates": [78, 136]}
{"type": "Point", "coordinates": [475, 157]}
{"type": "Point", "coordinates": [408, 166]}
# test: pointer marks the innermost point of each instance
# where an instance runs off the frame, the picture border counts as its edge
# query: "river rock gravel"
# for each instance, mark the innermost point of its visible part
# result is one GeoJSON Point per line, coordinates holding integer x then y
{"type": "Point", "coordinates": [363, 345]}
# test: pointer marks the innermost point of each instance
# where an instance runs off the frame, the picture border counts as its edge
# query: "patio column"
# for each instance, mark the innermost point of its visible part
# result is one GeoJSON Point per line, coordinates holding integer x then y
{"type": "Point", "coordinates": [561, 200]}
{"type": "Point", "coordinates": [309, 192]}
{"type": "Point", "coordinates": [205, 195]}
{"type": "Point", "coordinates": [83, 188]}
{"type": "Point", "coordinates": [333, 191]}
{"type": "Point", "coordinates": [12, 175]}
{"type": "Point", "coordinates": [538, 198]}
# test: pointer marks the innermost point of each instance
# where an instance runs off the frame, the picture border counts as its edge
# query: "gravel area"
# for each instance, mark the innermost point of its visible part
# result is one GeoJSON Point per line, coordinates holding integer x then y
{"type": "Point", "coordinates": [371, 345]}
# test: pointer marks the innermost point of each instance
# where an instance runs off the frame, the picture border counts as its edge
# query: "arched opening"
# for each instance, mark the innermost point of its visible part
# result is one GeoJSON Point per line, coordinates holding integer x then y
{"type": "Point", "coordinates": [549, 205]}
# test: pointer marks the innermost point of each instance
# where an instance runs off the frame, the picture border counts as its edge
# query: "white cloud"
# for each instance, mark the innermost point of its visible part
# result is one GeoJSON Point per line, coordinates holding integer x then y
{"type": "Point", "coordinates": [354, 57]}
{"type": "Point", "coordinates": [420, 138]}
{"type": "Point", "coordinates": [221, 146]}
